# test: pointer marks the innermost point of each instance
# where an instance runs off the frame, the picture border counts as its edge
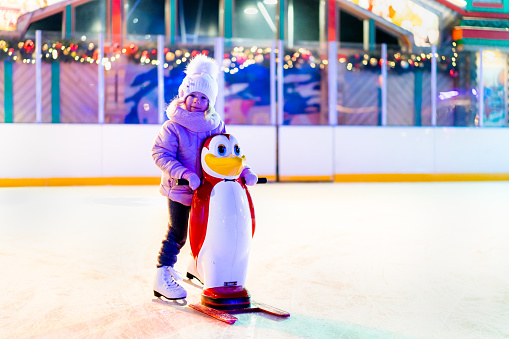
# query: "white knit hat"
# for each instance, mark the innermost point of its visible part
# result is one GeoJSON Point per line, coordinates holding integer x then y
{"type": "Point", "coordinates": [201, 77]}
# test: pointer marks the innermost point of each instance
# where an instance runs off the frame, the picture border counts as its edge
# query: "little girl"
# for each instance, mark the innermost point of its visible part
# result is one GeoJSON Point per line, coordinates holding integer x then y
{"type": "Point", "coordinates": [176, 152]}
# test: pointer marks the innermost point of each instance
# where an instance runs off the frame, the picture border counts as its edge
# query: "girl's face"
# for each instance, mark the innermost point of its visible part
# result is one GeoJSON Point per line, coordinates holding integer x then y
{"type": "Point", "coordinates": [197, 102]}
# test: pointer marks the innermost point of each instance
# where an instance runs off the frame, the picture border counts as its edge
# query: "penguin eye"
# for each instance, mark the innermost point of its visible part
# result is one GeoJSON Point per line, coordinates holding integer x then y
{"type": "Point", "coordinates": [221, 149]}
{"type": "Point", "coordinates": [236, 149]}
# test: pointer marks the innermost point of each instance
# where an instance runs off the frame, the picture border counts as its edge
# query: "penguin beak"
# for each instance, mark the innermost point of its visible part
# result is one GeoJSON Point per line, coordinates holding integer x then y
{"type": "Point", "coordinates": [227, 166]}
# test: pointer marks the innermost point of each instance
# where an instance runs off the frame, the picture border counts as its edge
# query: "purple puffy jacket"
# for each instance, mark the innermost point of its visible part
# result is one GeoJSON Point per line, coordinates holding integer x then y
{"type": "Point", "coordinates": [177, 148]}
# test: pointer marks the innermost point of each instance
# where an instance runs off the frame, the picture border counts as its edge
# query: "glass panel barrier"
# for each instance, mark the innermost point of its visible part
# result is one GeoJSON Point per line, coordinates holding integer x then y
{"type": "Point", "coordinates": [67, 85]}
{"type": "Point", "coordinates": [246, 67]}
{"type": "Point", "coordinates": [78, 74]}
{"type": "Point", "coordinates": [23, 89]}
{"type": "Point", "coordinates": [305, 85]}
{"type": "Point", "coordinates": [359, 92]}
{"type": "Point", "coordinates": [137, 79]}
{"type": "Point", "coordinates": [494, 75]}
{"type": "Point", "coordinates": [69, 74]}
{"type": "Point", "coordinates": [409, 87]}
{"type": "Point", "coordinates": [18, 85]}
{"type": "Point", "coordinates": [131, 84]}
{"type": "Point", "coordinates": [70, 82]}
{"type": "Point", "coordinates": [457, 88]}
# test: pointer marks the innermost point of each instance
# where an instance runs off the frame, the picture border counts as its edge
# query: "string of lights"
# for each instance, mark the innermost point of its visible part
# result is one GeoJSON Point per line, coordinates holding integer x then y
{"type": "Point", "coordinates": [238, 59]}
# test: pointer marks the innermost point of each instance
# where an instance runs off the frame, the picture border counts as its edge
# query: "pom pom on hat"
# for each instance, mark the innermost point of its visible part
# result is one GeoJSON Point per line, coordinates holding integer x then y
{"type": "Point", "coordinates": [202, 73]}
{"type": "Point", "coordinates": [202, 64]}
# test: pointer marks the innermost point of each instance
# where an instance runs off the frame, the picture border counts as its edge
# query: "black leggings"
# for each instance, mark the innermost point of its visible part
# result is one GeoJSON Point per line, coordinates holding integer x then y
{"type": "Point", "coordinates": [177, 233]}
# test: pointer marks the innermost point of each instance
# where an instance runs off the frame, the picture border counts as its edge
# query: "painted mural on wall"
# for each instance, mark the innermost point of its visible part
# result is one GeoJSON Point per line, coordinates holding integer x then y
{"type": "Point", "coordinates": [302, 95]}
{"type": "Point", "coordinates": [247, 96]}
{"type": "Point", "coordinates": [495, 84]}
{"type": "Point", "coordinates": [303, 91]}
{"type": "Point", "coordinates": [246, 84]}
{"type": "Point", "coordinates": [141, 92]}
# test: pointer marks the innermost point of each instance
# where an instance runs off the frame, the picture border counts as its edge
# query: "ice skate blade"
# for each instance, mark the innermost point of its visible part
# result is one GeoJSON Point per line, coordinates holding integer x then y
{"type": "Point", "coordinates": [191, 277]}
{"type": "Point", "coordinates": [159, 295]}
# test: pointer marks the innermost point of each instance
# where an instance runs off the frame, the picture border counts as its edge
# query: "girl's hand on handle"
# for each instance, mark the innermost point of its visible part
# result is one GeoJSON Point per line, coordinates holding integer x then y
{"type": "Point", "coordinates": [193, 179]}
{"type": "Point", "coordinates": [250, 179]}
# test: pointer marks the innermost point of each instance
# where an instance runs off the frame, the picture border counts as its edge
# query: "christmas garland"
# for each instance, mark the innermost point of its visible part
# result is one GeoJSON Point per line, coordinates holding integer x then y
{"type": "Point", "coordinates": [172, 58]}
{"type": "Point", "coordinates": [57, 51]}
{"type": "Point", "coordinates": [234, 61]}
{"type": "Point", "coordinates": [399, 63]}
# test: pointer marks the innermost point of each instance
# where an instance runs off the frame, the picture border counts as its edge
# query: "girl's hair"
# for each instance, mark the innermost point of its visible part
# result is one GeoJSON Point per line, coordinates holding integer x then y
{"type": "Point", "coordinates": [207, 114]}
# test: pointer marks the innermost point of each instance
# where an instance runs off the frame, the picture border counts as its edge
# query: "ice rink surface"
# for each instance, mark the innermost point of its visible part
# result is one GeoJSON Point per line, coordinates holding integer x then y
{"type": "Point", "coordinates": [394, 260]}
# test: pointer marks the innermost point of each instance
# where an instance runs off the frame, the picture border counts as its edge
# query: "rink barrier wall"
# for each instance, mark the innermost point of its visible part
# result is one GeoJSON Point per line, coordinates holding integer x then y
{"type": "Point", "coordinates": [79, 181]}
{"type": "Point", "coordinates": [422, 177]}
{"type": "Point", "coordinates": [109, 154]}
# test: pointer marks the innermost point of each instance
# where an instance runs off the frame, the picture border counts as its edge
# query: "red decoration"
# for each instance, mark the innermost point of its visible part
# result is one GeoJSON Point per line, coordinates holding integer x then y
{"type": "Point", "coordinates": [29, 46]}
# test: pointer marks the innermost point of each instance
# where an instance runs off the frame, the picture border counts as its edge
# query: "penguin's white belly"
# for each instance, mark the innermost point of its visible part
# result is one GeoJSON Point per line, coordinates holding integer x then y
{"type": "Point", "coordinates": [224, 256]}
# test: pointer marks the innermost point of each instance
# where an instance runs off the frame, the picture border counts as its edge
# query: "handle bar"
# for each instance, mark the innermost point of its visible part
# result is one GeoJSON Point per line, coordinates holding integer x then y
{"type": "Point", "coordinates": [185, 182]}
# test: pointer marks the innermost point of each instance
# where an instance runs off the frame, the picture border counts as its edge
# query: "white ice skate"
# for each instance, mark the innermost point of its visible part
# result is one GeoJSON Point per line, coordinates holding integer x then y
{"type": "Point", "coordinates": [166, 285]}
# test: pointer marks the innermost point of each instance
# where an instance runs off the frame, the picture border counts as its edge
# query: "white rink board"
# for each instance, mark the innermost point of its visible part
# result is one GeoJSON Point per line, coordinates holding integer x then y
{"type": "Point", "coordinates": [50, 150]}
{"type": "Point", "coordinates": [383, 150]}
{"type": "Point", "coordinates": [306, 151]}
{"type": "Point", "coordinates": [424, 150]}
{"type": "Point", "coordinates": [90, 150]}
{"type": "Point", "coordinates": [472, 150]}
{"type": "Point", "coordinates": [86, 150]}
{"type": "Point", "coordinates": [127, 150]}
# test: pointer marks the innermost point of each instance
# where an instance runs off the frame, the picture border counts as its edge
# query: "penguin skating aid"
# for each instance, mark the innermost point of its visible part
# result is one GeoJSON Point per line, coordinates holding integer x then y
{"type": "Point", "coordinates": [221, 227]}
